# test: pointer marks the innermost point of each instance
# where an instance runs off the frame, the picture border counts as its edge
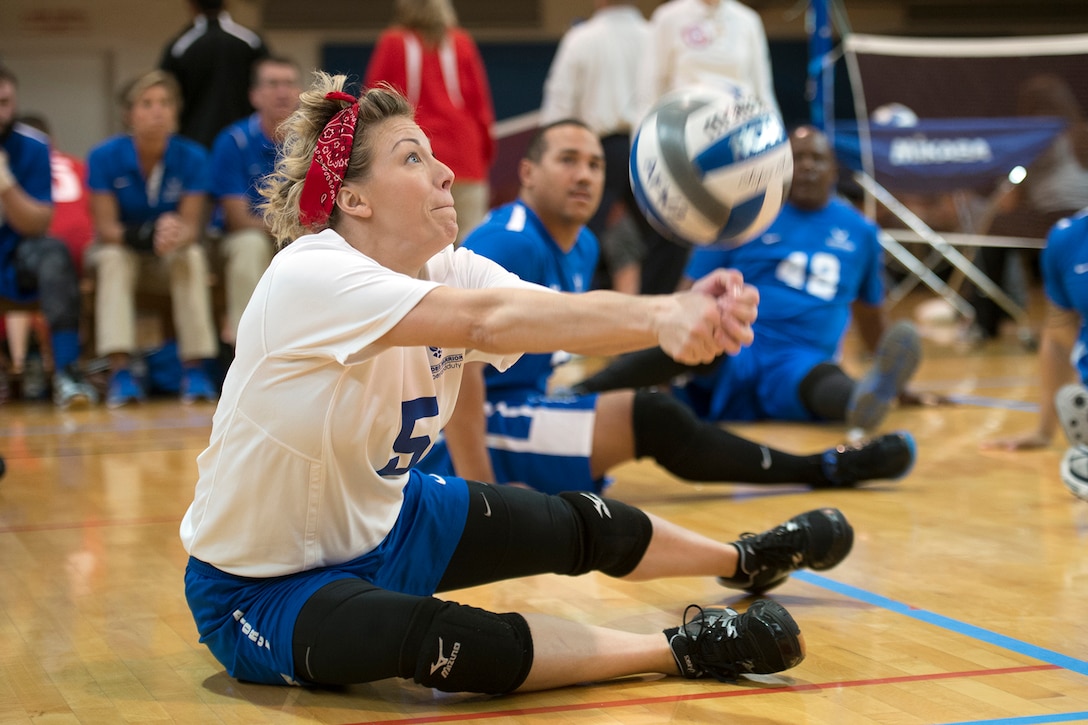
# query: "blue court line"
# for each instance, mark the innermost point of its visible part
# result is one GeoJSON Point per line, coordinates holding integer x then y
{"type": "Point", "coordinates": [1057, 717]}
{"type": "Point", "coordinates": [1029, 650]}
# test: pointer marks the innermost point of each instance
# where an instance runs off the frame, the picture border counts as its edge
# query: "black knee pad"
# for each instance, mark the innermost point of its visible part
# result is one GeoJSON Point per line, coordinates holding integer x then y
{"type": "Point", "coordinates": [615, 536]}
{"type": "Point", "coordinates": [465, 649]}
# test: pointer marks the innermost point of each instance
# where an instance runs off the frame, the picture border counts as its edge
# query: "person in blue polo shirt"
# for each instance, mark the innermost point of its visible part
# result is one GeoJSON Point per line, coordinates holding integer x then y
{"type": "Point", "coordinates": [32, 265]}
{"type": "Point", "coordinates": [507, 428]}
{"type": "Point", "coordinates": [148, 200]}
{"type": "Point", "coordinates": [242, 155]}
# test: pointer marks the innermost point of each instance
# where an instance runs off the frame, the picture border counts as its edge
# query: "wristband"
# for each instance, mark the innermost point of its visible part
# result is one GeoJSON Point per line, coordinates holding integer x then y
{"type": "Point", "coordinates": [140, 237]}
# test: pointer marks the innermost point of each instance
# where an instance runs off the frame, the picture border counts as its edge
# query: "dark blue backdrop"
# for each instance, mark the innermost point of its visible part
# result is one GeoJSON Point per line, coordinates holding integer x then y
{"type": "Point", "coordinates": [517, 71]}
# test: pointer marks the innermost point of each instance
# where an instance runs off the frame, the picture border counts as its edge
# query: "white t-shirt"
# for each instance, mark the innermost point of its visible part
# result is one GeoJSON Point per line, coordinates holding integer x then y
{"type": "Point", "coordinates": [692, 43]}
{"type": "Point", "coordinates": [317, 426]}
{"type": "Point", "coordinates": [594, 75]}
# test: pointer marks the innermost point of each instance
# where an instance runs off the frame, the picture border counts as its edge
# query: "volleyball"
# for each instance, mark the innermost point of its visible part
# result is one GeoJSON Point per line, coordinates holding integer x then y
{"type": "Point", "coordinates": [711, 165]}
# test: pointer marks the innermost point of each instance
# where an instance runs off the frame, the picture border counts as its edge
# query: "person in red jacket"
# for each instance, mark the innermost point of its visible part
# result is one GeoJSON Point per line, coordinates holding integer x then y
{"type": "Point", "coordinates": [437, 66]}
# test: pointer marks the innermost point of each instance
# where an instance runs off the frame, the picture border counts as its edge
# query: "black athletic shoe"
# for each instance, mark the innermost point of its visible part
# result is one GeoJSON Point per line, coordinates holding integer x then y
{"type": "Point", "coordinates": [817, 539]}
{"type": "Point", "coordinates": [720, 643]}
{"type": "Point", "coordinates": [889, 456]}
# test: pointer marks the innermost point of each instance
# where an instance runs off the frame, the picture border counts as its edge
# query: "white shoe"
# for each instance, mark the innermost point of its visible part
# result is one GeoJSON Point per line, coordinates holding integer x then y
{"type": "Point", "coordinates": [1074, 470]}
{"type": "Point", "coordinates": [1071, 402]}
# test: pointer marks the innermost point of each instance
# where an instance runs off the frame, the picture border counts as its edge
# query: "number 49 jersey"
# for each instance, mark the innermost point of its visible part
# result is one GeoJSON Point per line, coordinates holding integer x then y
{"type": "Point", "coordinates": [809, 267]}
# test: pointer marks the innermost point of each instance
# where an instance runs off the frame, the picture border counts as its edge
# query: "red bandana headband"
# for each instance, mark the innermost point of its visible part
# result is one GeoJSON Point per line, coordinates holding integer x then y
{"type": "Point", "coordinates": [330, 162]}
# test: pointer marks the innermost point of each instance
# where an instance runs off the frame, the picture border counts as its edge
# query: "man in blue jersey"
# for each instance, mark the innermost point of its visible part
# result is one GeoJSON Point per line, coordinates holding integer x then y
{"type": "Point", "coordinates": [508, 429]}
{"type": "Point", "coordinates": [817, 266]}
{"type": "Point", "coordinates": [34, 267]}
{"type": "Point", "coordinates": [242, 155]}
{"type": "Point", "coordinates": [1063, 351]}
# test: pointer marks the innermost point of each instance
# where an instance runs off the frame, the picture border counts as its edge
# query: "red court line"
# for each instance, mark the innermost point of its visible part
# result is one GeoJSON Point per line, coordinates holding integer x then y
{"type": "Point", "coordinates": [710, 695]}
{"type": "Point", "coordinates": [99, 524]}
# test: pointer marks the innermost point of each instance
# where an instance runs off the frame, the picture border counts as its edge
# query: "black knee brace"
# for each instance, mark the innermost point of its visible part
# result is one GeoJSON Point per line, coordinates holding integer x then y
{"type": "Point", "coordinates": [614, 535]}
{"type": "Point", "coordinates": [351, 632]}
{"type": "Point", "coordinates": [464, 649]}
{"type": "Point", "coordinates": [512, 532]}
{"type": "Point", "coordinates": [826, 391]}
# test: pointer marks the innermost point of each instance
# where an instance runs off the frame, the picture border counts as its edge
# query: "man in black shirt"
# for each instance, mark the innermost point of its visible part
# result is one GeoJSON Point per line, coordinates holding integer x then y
{"type": "Point", "coordinates": [212, 59]}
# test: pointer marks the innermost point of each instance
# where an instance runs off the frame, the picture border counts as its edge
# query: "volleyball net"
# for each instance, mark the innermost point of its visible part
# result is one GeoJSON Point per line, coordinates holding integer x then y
{"type": "Point", "coordinates": [967, 142]}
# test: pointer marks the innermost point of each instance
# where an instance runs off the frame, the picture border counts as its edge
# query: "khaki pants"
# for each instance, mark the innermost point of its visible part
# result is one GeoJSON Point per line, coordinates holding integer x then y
{"type": "Point", "coordinates": [246, 255]}
{"type": "Point", "coordinates": [121, 271]}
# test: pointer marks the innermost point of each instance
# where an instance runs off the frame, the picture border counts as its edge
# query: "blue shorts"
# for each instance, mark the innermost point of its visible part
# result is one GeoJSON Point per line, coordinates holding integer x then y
{"type": "Point", "coordinates": [762, 382]}
{"type": "Point", "coordinates": [544, 442]}
{"type": "Point", "coordinates": [249, 624]}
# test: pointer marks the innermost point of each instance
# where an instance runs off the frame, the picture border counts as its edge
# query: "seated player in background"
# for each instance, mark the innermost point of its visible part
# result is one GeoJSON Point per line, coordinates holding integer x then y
{"type": "Point", "coordinates": [508, 429]}
{"type": "Point", "coordinates": [1063, 351]}
{"type": "Point", "coordinates": [818, 263]}
{"type": "Point", "coordinates": [244, 153]}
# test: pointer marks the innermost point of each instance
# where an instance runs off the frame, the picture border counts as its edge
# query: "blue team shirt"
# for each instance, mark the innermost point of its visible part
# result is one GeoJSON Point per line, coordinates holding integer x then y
{"type": "Point", "coordinates": [28, 158]}
{"type": "Point", "coordinates": [113, 168]}
{"type": "Point", "coordinates": [241, 156]}
{"type": "Point", "coordinates": [809, 267]}
{"type": "Point", "coordinates": [514, 236]}
{"type": "Point", "coordinates": [1064, 264]}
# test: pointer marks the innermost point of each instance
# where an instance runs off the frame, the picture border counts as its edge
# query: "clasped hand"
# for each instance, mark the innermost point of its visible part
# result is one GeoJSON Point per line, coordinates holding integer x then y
{"type": "Point", "coordinates": [716, 317]}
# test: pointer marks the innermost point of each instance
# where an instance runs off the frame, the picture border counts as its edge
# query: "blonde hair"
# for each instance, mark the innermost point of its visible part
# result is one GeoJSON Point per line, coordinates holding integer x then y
{"type": "Point", "coordinates": [139, 85]}
{"type": "Point", "coordinates": [282, 189]}
{"type": "Point", "coordinates": [430, 18]}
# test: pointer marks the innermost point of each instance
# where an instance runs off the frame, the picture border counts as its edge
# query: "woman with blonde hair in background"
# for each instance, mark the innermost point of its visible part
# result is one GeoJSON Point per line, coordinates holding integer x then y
{"type": "Point", "coordinates": [148, 197]}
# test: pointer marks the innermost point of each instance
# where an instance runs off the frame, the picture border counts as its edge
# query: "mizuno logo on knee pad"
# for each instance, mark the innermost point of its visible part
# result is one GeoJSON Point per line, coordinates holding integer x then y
{"type": "Point", "coordinates": [445, 663]}
{"type": "Point", "coordinates": [599, 505]}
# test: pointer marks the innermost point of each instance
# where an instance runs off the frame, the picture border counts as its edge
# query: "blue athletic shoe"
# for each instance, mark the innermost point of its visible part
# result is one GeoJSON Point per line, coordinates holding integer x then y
{"type": "Point", "coordinates": [123, 390]}
{"type": "Point", "coordinates": [889, 456]}
{"type": "Point", "coordinates": [195, 385]}
{"type": "Point", "coordinates": [897, 357]}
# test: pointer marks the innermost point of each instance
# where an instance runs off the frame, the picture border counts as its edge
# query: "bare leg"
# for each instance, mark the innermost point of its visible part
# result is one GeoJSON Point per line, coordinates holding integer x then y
{"type": "Point", "coordinates": [676, 551]}
{"type": "Point", "coordinates": [567, 653]}
{"type": "Point", "coordinates": [613, 434]}
{"type": "Point", "coordinates": [18, 324]}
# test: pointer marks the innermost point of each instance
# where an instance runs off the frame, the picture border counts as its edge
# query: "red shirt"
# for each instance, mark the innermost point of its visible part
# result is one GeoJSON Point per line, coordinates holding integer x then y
{"type": "Point", "coordinates": [72, 222]}
{"type": "Point", "coordinates": [457, 119]}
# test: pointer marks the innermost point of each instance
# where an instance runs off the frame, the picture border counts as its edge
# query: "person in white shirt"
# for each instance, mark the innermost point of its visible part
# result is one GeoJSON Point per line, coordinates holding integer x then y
{"type": "Point", "coordinates": [315, 546]}
{"type": "Point", "coordinates": [701, 42]}
{"type": "Point", "coordinates": [693, 43]}
{"type": "Point", "coordinates": [594, 78]}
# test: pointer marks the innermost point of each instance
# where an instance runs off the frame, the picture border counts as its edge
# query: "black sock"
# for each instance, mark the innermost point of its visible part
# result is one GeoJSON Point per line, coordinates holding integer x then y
{"type": "Point", "coordinates": [670, 433]}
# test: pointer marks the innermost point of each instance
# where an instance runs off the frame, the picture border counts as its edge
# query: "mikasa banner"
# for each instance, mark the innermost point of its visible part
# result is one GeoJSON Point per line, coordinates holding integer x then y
{"type": "Point", "coordinates": [940, 114]}
{"type": "Point", "coordinates": [944, 154]}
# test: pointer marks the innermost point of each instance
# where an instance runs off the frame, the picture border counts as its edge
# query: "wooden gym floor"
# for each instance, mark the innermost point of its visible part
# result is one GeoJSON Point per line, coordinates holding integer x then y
{"type": "Point", "coordinates": [963, 600]}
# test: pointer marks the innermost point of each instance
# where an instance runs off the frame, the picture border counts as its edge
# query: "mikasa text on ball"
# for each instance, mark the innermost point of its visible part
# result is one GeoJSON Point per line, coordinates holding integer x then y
{"type": "Point", "coordinates": [711, 165]}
